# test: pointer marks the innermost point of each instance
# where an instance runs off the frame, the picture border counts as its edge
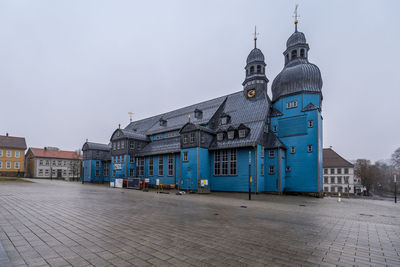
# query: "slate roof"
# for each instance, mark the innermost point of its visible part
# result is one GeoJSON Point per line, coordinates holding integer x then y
{"type": "Point", "coordinates": [255, 56]}
{"type": "Point", "coordinates": [333, 159]}
{"type": "Point", "coordinates": [96, 146]}
{"type": "Point", "coordinates": [177, 118]}
{"type": "Point", "coordinates": [12, 142]}
{"type": "Point", "coordinates": [163, 146]}
{"type": "Point", "coordinates": [272, 141]}
{"type": "Point", "coordinates": [295, 39]}
{"type": "Point", "coordinates": [297, 76]}
{"type": "Point", "coordinates": [309, 107]}
{"type": "Point", "coordinates": [57, 154]}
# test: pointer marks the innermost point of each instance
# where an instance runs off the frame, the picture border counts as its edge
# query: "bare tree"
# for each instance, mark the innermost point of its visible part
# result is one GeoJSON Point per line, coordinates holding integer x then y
{"type": "Point", "coordinates": [396, 159]}
{"type": "Point", "coordinates": [367, 172]}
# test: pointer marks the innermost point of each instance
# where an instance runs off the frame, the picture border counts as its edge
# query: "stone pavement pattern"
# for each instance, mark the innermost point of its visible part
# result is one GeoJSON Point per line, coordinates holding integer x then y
{"type": "Point", "coordinates": [61, 223]}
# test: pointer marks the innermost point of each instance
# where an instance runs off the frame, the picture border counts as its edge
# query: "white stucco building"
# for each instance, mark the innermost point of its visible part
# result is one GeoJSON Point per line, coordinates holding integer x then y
{"type": "Point", "coordinates": [338, 173]}
{"type": "Point", "coordinates": [52, 163]}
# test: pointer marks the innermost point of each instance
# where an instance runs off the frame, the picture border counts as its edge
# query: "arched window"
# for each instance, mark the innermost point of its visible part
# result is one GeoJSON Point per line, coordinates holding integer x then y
{"type": "Point", "coordinates": [302, 53]}
{"type": "Point", "coordinates": [251, 69]}
{"type": "Point", "coordinates": [258, 69]}
{"type": "Point", "coordinates": [294, 54]}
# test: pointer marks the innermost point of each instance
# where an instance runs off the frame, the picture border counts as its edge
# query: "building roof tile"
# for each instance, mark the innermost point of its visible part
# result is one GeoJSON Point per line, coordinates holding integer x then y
{"type": "Point", "coordinates": [7, 141]}
{"type": "Point", "coordinates": [333, 159]}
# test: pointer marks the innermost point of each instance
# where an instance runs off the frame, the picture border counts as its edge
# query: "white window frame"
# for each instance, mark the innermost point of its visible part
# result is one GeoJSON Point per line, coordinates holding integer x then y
{"type": "Point", "coordinates": [16, 165]}
{"type": "Point", "coordinates": [185, 156]}
{"type": "Point", "coordinates": [291, 104]}
{"type": "Point", "coordinates": [161, 163]}
{"type": "Point", "coordinates": [220, 136]}
{"type": "Point", "coordinates": [242, 133]}
{"type": "Point", "coordinates": [310, 124]}
{"type": "Point", "coordinates": [8, 164]}
{"type": "Point", "coordinates": [170, 165]}
{"type": "Point", "coordinates": [272, 153]}
{"type": "Point", "coordinates": [17, 154]}
{"type": "Point", "coordinates": [8, 153]}
{"type": "Point", "coordinates": [224, 120]}
{"type": "Point", "coordinates": [309, 148]}
{"type": "Point", "coordinates": [231, 135]}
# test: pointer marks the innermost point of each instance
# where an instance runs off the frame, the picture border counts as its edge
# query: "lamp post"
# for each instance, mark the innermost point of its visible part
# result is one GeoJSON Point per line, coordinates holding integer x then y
{"type": "Point", "coordinates": [395, 188]}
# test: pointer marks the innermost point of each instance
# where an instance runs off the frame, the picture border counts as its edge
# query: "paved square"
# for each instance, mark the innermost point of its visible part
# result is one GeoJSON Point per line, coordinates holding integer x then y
{"type": "Point", "coordinates": [61, 223]}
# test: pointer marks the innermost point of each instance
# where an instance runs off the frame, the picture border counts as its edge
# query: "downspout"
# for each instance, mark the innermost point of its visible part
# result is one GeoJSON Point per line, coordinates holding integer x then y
{"type": "Point", "coordinates": [256, 169]}
{"type": "Point", "coordinates": [198, 161]}
{"type": "Point", "coordinates": [280, 170]}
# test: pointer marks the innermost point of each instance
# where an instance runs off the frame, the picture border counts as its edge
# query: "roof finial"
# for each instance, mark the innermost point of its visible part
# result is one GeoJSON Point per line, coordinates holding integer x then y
{"type": "Point", "coordinates": [296, 17]}
{"type": "Point", "coordinates": [130, 116]}
{"type": "Point", "coordinates": [255, 36]}
{"type": "Point", "coordinates": [189, 118]}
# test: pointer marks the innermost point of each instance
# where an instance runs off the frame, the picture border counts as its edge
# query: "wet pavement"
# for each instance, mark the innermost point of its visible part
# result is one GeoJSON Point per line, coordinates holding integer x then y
{"type": "Point", "coordinates": [61, 223]}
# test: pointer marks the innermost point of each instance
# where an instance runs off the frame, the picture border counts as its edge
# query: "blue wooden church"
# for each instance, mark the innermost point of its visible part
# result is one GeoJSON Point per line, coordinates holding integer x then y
{"type": "Point", "coordinates": [207, 146]}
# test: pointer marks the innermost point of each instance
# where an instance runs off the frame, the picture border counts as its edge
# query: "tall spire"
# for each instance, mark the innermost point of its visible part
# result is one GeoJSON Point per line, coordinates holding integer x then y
{"type": "Point", "coordinates": [296, 18]}
{"type": "Point", "coordinates": [255, 36]}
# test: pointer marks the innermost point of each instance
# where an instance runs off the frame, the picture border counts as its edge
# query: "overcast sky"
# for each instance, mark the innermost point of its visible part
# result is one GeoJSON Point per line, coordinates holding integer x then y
{"type": "Point", "coordinates": [71, 70]}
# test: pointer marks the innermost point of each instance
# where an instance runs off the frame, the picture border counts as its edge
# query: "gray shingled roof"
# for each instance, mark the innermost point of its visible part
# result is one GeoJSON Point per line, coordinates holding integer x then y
{"type": "Point", "coordinates": [295, 39]}
{"type": "Point", "coordinates": [12, 142]}
{"type": "Point", "coordinates": [96, 146]}
{"type": "Point", "coordinates": [273, 142]}
{"type": "Point", "coordinates": [163, 146]}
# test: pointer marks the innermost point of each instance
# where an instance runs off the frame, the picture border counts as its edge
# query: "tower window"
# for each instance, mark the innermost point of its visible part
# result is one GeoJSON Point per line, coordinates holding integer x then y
{"type": "Point", "coordinates": [274, 128]}
{"type": "Point", "coordinates": [294, 54]}
{"type": "Point", "coordinates": [251, 69]}
{"type": "Point", "coordinates": [302, 53]}
{"type": "Point", "coordinates": [309, 148]}
{"type": "Point", "coordinates": [258, 69]}
{"type": "Point", "coordinates": [310, 124]}
{"type": "Point", "coordinates": [271, 170]}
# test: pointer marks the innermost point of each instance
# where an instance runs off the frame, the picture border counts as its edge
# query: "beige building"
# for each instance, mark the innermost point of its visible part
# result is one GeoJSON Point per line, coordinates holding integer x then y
{"type": "Point", "coordinates": [12, 151]}
{"type": "Point", "coordinates": [50, 162]}
{"type": "Point", "coordinates": [338, 173]}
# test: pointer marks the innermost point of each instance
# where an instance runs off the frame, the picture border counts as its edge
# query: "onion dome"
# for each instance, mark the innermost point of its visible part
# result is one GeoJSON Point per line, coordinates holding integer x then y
{"type": "Point", "coordinates": [297, 76]}
{"type": "Point", "coordinates": [255, 56]}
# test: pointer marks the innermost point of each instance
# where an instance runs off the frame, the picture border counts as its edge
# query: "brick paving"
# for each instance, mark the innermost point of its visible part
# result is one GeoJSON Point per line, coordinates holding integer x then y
{"type": "Point", "coordinates": [57, 223]}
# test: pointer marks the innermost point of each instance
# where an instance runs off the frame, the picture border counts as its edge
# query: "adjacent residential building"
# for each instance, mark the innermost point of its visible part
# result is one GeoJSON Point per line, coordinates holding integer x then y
{"type": "Point", "coordinates": [50, 162]}
{"type": "Point", "coordinates": [275, 134]}
{"type": "Point", "coordinates": [338, 173]}
{"type": "Point", "coordinates": [12, 151]}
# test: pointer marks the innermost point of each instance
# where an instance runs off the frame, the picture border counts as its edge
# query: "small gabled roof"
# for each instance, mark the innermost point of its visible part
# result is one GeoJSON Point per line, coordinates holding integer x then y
{"type": "Point", "coordinates": [275, 112]}
{"type": "Point", "coordinates": [309, 107]}
{"type": "Point", "coordinates": [188, 127]}
{"type": "Point", "coordinates": [56, 154]}
{"type": "Point", "coordinates": [332, 159]}
{"type": "Point", "coordinates": [7, 141]}
{"type": "Point", "coordinates": [129, 134]}
{"type": "Point", "coordinates": [272, 142]}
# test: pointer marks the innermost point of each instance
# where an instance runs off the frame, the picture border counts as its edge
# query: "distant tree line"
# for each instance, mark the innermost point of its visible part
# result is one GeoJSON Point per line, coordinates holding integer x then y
{"type": "Point", "coordinates": [378, 177]}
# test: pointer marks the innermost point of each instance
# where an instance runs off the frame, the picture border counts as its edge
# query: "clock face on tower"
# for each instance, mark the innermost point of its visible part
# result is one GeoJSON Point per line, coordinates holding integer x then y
{"type": "Point", "coordinates": [251, 93]}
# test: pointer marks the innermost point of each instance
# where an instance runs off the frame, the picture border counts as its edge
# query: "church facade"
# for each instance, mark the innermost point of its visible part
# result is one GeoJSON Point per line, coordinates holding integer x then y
{"type": "Point", "coordinates": [217, 145]}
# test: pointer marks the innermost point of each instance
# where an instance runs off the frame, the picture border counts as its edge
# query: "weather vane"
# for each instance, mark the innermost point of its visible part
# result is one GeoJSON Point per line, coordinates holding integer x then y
{"type": "Point", "coordinates": [255, 36]}
{"type": "Point", "coordinates": [296, 16]}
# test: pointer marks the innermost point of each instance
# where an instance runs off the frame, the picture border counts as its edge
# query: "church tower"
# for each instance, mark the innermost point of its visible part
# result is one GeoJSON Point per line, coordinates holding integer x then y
{"type": "Point", "coordinates": [255, 83]}
{"type": "Point", "coordinates": [297, 120]}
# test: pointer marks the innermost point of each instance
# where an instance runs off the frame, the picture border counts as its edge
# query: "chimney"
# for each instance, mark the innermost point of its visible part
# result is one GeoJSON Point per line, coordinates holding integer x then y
{"type": "Point", "coordinates": [6, 134]}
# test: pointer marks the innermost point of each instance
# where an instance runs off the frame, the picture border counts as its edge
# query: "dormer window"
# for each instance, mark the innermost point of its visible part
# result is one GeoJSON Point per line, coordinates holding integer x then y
{"type": "Point", "coordinates": [185, 138]}
{"type": "Point", "coordinates": [242, 133]}
{"type": "Point", "coordinates": [225, 119]}
{"type": "Point", "coordinates": [163, 122]}
{"type": "Point", "coordinates": [198, 114]}
{"type": "Point", "coordinates": [220, 136]}
{"type": "Point", "coordinates": [231, 134]}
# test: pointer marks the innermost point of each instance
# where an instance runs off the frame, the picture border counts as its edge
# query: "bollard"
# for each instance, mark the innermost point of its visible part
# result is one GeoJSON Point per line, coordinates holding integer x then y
{"type": "Point", "coordinates": [339, 199]}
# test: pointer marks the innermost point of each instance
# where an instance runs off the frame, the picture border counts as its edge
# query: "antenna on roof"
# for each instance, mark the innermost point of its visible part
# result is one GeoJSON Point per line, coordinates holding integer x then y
{"type": "Point", "coordinates": [130, 116]}
{"type": "Point", "coordinates": [296, 17]}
